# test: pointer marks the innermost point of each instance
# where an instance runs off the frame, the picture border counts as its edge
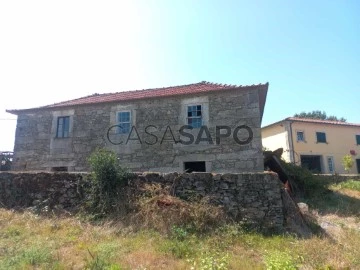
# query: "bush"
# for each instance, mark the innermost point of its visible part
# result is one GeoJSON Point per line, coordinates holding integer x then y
{"type": "Point", "coordinates": [348, 162]}
{"type": "Point", "coordinates": [107, 181]}
{"type": "Point", "coordinates": [304, 183]}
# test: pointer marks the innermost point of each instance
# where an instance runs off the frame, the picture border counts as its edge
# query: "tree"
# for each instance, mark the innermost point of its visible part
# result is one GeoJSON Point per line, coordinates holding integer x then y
{"type": "Point", "coordinates": [319, 115]}
{"type": "Point", "coordinates": [348, 162]}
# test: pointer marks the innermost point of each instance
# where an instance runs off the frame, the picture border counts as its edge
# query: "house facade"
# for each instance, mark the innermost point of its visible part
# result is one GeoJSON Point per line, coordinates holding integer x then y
{"type": "Point", "coordinates": [316, 144]}
{"type": "Point", "coordinates": [197, 127]}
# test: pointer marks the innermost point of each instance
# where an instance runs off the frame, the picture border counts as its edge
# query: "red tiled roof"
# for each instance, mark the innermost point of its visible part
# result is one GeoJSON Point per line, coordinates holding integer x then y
{"type": "Point", "coordinates": [196, 88]}
{"type": "Point", "coordinates": [314, 121]}
{"type": "Point", "coordinates": [308, 120]}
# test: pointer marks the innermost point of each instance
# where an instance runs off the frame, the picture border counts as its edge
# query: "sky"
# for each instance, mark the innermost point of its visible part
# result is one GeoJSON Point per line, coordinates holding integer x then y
{"type": "Point", "coordinates": [308, 51]}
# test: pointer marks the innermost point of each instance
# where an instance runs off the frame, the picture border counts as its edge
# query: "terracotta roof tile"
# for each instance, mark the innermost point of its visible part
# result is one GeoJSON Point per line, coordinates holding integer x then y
{"type": "Point", "coordinates": [321, 121]}
{"type": "Point", "coordinates": [196, 88]}
{"type": "Point", "coordinates": [314, 121]}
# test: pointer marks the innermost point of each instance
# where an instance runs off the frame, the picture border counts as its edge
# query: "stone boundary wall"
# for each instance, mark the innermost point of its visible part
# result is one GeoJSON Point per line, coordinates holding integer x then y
{"type": "Point", "coordinates": [26, 189]}
{"type": "Point", "coordinates": [252, 197]}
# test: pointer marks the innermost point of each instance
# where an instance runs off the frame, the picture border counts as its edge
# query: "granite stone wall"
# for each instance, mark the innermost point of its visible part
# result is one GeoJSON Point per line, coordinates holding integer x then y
{"type": "Point", "coordinates": [250, 197]}
{"type": "Point", "coordinates": [156, 147]}
{"type": "Point", "coordinates": [22, 189]}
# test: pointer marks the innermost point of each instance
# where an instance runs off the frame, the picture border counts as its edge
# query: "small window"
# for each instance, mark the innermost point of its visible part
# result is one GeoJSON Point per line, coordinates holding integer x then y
{"type": "Point", "coordinates": [195, 166]}
{"type": "Point", "coordinates": [358, 139]}
{"type": "Point", "coordinates": [63, 127]}
{"type": "Point", "coordinates": [321, 137]}
{"type": "Point", "coordinates": [194, 116]}
{"type": "Point", "coordinates": [124, 122]}
{"type": "Point", "coordinates": [300, 136]}
{"type": "Point", "coordinates": [59, 169]}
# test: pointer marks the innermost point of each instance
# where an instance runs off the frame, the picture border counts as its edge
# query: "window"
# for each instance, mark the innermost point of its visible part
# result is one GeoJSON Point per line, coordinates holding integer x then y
{"type": "Point", "coordinates": [358, 139]}
{"type": "Point", "coordinates": [311, 162]}
{"type": "Point", "coordinates": [321, 137]}
{"type": "Point", "coordinates": [300, 136]}
{"type": "Point", "coordinates": [194, 117]}
{"type": "Point", "coordinates": [124, 122]}
{"type": "Point", "coordinates": [330, 162]}
{"type": "Point", "coordinates": [195, 166]}
{"type": "Point", "coordinates": [63, 127]}
{"type": "Point", "coordinates": [59, 169]}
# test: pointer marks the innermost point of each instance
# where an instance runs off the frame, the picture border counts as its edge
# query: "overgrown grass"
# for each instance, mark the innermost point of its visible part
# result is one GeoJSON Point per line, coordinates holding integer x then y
{"type": "Point", "coordinates": [157, 209]}
{"type": "Point", "coordinates": [325, 194]}
{"type": "Point", "coordinates": [28, 241]}
{"type": "Point", "coordinates": [342, 199]}
{"type": "Point", "coordinates": [349, 184]}
{"type": "Point", "coordinates": [169, 233]}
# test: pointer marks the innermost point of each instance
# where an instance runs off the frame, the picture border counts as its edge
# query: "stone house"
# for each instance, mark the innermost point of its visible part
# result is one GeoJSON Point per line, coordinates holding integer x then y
{"type": "Point", "coordinates": [196, 127]}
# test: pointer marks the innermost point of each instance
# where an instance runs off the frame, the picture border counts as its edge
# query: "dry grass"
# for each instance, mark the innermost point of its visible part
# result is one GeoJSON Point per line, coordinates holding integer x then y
{"type": "Point", "coordinates": [29, 241]}
{"type": "Point", "coordinates": [157, 209]}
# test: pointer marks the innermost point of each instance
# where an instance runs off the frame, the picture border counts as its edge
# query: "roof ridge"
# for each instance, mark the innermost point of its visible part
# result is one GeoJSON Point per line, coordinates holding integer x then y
{"type": "Point", "coordinates": [186, 89]}
{"type": "Point", "coordinates": [136, 90]}
{"type": "Point", "coordinates": [326, 121]}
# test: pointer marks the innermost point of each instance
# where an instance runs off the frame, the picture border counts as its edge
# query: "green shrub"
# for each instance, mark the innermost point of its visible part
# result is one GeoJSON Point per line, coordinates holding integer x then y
{"type": "Point", "coordinates": [107, 182]}
{"type": "Point", "coordinates": [303, 181]}
{"type": "Point", "coordinates": [348, 162]}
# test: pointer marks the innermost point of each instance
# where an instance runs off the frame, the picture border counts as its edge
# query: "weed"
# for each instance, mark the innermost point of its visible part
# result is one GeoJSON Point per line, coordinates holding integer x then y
{"type": "Point", "coordinates": [179, 233]}
{"type": "Point", "coordinates": [158, 210]}
{"type": "Point", "coordinates": [98, 262]}
{"type": "Point", "coordinates": [13, 231]}
{"type": "Point", "coordinates": [349, 184]}
{"type": "Point", "coordinates": [210, 261]}
{"type": "Point", "coordinates": [34, 256]}
{"type": "Point", "coordinates": [179, 249]}
{"type": "Point", "coordinates": [279, 260]}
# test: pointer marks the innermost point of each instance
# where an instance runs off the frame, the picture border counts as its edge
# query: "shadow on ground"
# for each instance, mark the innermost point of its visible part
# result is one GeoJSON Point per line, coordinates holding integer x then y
{"type": "Point", "coordinates": [328, 201]}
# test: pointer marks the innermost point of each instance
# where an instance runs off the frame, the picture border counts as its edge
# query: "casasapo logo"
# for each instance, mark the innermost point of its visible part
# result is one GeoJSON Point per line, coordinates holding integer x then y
{"type": "Point", "coordinates": [188, 135]}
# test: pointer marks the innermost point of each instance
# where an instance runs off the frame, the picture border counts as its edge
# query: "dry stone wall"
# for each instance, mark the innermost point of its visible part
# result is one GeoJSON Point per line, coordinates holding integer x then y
{"type": "Point", "coordinates": [250, 197]}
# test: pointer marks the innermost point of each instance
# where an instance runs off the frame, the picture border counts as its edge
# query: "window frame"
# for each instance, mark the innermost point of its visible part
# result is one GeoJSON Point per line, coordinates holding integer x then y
{"type": "Point", "coordinates": [195, 116]}
{"type": "Point", "coordinates": [303, 136]}
{"type": "Point", "coordinates": [357, 139]}
{"type": "Point", "coordinates": [317, 138]}
{"type": "Point", "coordinates": [118, 122]}
{"type": "Point", "coordinates": [330, 158]}
{"type": "Point", "coordinates": [63, 133]}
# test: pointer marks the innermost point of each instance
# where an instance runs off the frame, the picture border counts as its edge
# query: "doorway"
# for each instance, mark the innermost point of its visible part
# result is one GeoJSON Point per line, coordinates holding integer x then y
{"type": "Point", "coordinates": [312, 163]}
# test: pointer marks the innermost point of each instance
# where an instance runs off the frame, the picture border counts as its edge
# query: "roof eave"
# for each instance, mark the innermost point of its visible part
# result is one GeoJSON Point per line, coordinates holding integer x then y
{"type": "Point", "coordinates": [262, 87]}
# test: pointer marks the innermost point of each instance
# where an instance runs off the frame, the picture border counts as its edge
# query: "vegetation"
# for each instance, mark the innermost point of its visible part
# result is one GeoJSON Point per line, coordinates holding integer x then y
{"type": "Point", "coordinates": [350, 185]}
{"type": "Point", "coordinates": [165, 232]}
{"type": "Point", "coordinates": [319, 115]}
{"type": "Point", "coordinates": [157, 209]}
{"type": "Point", "coordinates": [105, 193]}
{"type": "Point", "coordinates": [348, 162]}
{"type": "Point", "coordinates": [31, 241]}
